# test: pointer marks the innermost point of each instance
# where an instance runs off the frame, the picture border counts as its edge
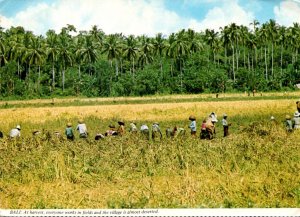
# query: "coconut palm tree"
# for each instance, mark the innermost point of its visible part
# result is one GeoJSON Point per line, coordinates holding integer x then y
{"type": "Point", "coordinates": [130, 51]}
{"type": "Point", "coordinates": [88, 52]}
{"type": "Point", "coordinates": [159, 45]}
{"type": "Point", "coordinates": [180, 49]}
{"type": "Point", "coordinates": [64, 56]}
{"type": "Point", "coordinates": [263, 37]}
{"type": "Point", "coordinates": [146, 50]}
{"type": "Point", "coordinates": [211, 38]}
{"type": "Point", "coordinates": [272, 30]}
{"type": "Point", "coordinates": [112, 47]}
{"type": "Point", "coordinates": [52, 52]}
{"type": "Point", "coordinates": [35, 55]}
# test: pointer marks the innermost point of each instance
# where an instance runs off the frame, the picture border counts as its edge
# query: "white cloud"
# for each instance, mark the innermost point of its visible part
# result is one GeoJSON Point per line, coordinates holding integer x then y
{"type": "Point", "coordinates": [126, 16]}
{"type": "Point", "coordinates": [287, 13]}
{"type": "Point", "coordinates": [225, 14]}
{"type": "Point", "coordinates": [5, 22]}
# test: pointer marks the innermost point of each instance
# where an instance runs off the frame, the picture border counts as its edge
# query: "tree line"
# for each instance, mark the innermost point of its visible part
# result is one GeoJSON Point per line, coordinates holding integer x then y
{"type": "Point", "coordinates": [91, 63]}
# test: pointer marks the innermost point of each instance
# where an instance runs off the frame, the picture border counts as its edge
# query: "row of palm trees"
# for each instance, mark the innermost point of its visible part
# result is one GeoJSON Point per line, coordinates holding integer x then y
{"type": "Point", "coordinates": [233, 47]}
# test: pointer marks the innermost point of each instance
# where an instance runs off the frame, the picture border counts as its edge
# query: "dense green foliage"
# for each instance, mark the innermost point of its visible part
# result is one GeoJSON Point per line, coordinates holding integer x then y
{"type": "Point", "coordinates": [92, 63]}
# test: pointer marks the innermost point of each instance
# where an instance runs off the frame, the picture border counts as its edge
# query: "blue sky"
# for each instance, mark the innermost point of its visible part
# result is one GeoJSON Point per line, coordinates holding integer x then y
{"type": "Point", "coordinates": [144, 16]}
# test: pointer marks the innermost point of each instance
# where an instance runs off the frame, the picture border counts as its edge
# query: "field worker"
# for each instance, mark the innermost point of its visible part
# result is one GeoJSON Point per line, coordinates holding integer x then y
{"type": "Point", "coordinates": [288, 124]}
{"type": "Point", "coordinates": [16, 132]}
{"type": "Point", "coordinates": [298, 106]}
{"type": "Point", "coordinates": [214, 120]}
{"type": "Point", "coordinates": [69, 132]}
{"type": "Point", "coordinates": [156, 131]}
{"type": "Point", "coordinates": [99, 136]}
{"type": "Point", "coordinates": [112, 131]}
{"type": "Point", "coordinates": [203, 133]}
{"type": "Point", "coordinates": [133, 128]}
{"type": "Point", "coordinates": [145, 131]}
{"type": "Point", "coordinates": [169, 131]}
{"type": "Point", "coordinates": [193, 125]}
{"type": "Point", "coordinates": [296, 120]}
{"type": "Point", "coordinates": [81, 127]}
{"type": "Point", "coordinates": [121, 130]}
{"type": "Point", "coordinates": [225, 125]}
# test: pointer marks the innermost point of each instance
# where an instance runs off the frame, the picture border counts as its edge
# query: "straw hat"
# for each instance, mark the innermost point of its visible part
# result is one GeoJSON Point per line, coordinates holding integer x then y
{"type": "Point", "coordinates": [80, 121]}
{"type": "Point", "coordinates": [18, 127]}
{"type": "Point", "coordinates": [192, 118]}
{"type": "Point", "coordinates": [69, 124]}
{"type": "Point", "coordinates": [287, 117]}
{"type": "Point", "coordinates": [296, 114]}
{"type": "Point", "coordinates": [224, 115]}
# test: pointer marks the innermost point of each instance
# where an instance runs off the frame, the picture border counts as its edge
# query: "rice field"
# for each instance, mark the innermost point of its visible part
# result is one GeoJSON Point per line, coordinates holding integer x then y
{"type": "Point", "coordinates": [256, 166]}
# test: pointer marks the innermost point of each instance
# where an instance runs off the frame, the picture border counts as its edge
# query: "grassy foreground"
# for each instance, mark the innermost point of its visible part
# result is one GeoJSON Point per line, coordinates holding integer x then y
{"type": "Point", "coordinates": [256, 166]}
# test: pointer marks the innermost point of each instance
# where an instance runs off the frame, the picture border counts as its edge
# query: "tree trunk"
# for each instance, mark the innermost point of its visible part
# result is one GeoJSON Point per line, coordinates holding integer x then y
{"type": "Point", "coordinates": [233, 62]}
{"type": "Point", "coordinates": [63, 79]}
{"type": "Point", "coordinates": [266, 63]}
{"type": "Point", "coordinates": [39, 79]}
{"type": "Point", "coordinates": [53, 78]}
{"type": "Point", "coordinates": [272, 60]}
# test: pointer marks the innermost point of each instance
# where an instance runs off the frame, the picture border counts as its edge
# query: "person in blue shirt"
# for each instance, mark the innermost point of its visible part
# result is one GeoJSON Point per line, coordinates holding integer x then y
{"type": "Point", "coordinates": [193, 125]}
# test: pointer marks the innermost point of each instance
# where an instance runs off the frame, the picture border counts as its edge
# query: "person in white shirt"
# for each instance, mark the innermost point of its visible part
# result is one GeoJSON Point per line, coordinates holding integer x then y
{"type": "Point", "coordinates": [81, 127]}
{"type": "Point", "coordinates": [296, 120]}
{"type": "Point", "coordinates": [16, 132]}
{"type": "Point", "coordinates": [145, 131]}
{"type": "Point", "coordinates": [214, 120]}
{"type": "Point", "coordinates": [225, 125]}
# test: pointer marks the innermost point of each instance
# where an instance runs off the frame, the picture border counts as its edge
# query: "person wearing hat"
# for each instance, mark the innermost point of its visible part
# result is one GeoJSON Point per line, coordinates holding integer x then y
{"type": "Point", "coordinates": [288, 124]}
{"type": "Point", "coordinates": [193, 125]}
{"type": "Point", "coordinates": [214, 120]}
{"type": "Point", "coordinates": [82, 129]}
{"type": "Point", "coordinates": [133, 128]}
{"type": "Point", "coordinates": [121, 128]}
{"type": "Point", "coordinates": [69, 132]}
{"type": "Point", "coordinates": [16, 132]}
{"type": "Point", "coordinates": [296, 120]}
{"type": "Point", "coordinates": [156, 132]}
{"type": "Point", "coordinates": [225, 125]}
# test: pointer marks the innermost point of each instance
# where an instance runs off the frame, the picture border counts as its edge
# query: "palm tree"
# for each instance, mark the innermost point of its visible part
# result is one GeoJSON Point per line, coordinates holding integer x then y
{"type": "Point", "coordinates": [255, 23]}
{"type": "Point", "coordinates": [180, 49]}
{"type": "Point", "coordinates": [263, 36]}
{"type": "Point", "coordinates": [97, 35]}
{"type": "Point", "coordinates": [272, 30]}
{"type": "Point", "coordinates": [225, 40]}
{"type": "Point", "coordinates": [146, 50]}
{"type": "Point", "coordinates": [35, 55]}
{"type": "Point", "coordinates": [131, 50]}
{"type": "Point", "coordinates": [282, 40]}
{"type": "Point", "coordinates": [52, 52]}
{"type": "Point", "coordinates": [112, 47]}
{"type": "Point", "coordinates": [233, 33]}
{"type": "Point", "coordinates": [64, 54]}
{"type": "Point", "coordinates": [211, 38]}
{"type": "Point", "coordinates": [88, 52]}
{"type": "Point", "coordinates": [159, 46]}
{"type": "Point", "coordinates": [170, 50]}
